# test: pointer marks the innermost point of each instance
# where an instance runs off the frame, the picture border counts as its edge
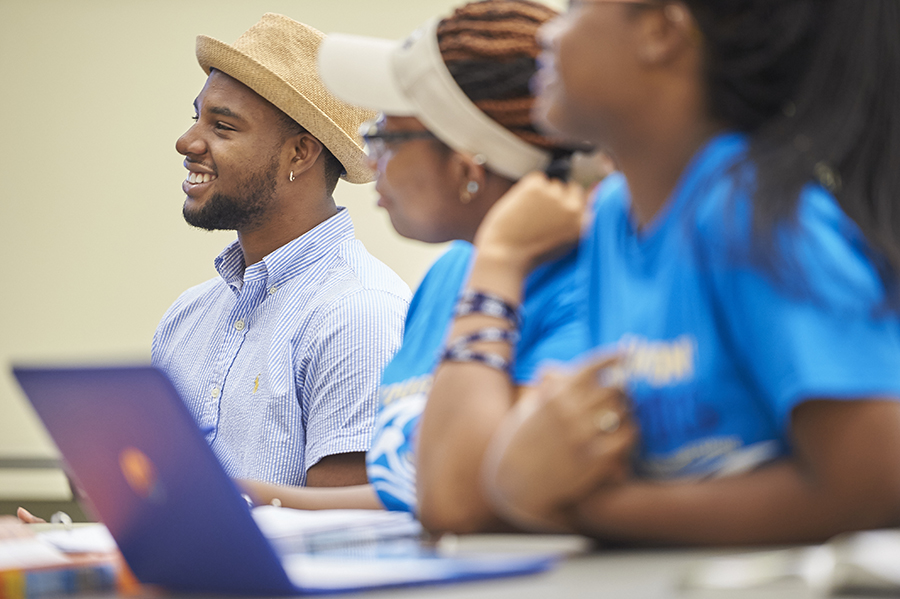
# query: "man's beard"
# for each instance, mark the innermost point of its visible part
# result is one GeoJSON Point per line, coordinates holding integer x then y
{"type": "Point", "coordinates": [244, 210]}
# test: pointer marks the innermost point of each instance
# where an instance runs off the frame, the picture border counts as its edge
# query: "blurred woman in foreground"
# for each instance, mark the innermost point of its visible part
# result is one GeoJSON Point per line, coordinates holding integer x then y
{"type": "Point", "coordinates": [739, 275]}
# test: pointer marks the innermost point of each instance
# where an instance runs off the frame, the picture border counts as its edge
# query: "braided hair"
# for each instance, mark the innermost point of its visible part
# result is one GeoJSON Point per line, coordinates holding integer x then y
{"type": "Point", "coordinates": [816, 84]}
{"type": "Point", "coordinates": [490, 48]}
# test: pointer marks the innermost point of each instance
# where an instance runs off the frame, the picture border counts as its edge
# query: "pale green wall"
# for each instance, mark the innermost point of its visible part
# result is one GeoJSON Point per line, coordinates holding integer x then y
{"type": "Point", "coordinates": [94, 94]}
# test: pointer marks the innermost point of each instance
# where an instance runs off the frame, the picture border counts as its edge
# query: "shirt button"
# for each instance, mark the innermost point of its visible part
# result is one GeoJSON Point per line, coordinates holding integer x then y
{"type": "Point", "coordinates": [215, 393]}
{"type": "Point", "coordinates": [272, 290]}
{"type": "Point", "coordinates": [239, 325]}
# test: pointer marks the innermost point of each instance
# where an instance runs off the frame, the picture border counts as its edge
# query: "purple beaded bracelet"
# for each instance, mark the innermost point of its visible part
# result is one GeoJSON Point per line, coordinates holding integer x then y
{"type": "Point", "coordinates": [464, 354]}
{"type": "Point", "coordinates": [485, 334]}
{"type": "Point", "coordinates": [489, 304]}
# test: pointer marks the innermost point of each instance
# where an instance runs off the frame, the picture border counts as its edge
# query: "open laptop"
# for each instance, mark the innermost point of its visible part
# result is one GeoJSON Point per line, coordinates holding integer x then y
{"type": "Point", "coordinates": [180, 522]}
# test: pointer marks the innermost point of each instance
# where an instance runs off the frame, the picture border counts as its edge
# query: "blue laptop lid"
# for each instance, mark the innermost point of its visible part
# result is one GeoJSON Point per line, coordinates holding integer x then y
{"type": "Point", "coordinates": [133, 447]}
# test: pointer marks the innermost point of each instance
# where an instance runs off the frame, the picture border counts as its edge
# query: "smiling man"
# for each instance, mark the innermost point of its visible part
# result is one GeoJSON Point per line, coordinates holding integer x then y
{"type": "Point", "coordinates": [279, 357]}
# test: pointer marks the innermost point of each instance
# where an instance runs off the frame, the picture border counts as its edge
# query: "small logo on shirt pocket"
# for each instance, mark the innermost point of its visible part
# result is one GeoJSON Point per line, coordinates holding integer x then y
{"type": "Point", "coordinates": [256, 383]}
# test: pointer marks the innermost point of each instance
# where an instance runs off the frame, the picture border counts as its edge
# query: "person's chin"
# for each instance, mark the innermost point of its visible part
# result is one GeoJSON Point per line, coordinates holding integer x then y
{"type": "Point", "coordinates": [547, 116]}
{"type": "Point", "coordinates": [402, 227]}
{"type": "Point", "coordinates": [540, 116]}
{"type": "Point", "coordinates": [398, 224]}
{"type": "Point", "coordinates": [551, 117]}
{"type": "Point", "coordinates": [192, 211]}
{"type": "Point", "coordinates": [388, 206]}
{"type": "Point", "coordinates": [192, 205]}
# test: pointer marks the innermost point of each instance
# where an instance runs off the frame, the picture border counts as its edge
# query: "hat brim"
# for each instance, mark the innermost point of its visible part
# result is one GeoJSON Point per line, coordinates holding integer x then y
{"type": "Point", "coordinates": [215, 54]}
{"type": "Point", "coordinates": [359, 70]}
{"type": "Point", "coordinates": [410, 78]}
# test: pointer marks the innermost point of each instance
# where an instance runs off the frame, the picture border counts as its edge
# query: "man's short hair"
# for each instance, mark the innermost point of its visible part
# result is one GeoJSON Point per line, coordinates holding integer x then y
{"type": "Point", "coordinates": [333, 167]}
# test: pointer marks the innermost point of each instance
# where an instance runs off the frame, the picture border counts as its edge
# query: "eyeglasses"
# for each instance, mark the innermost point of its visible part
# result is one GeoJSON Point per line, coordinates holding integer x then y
{"type": "Point", "coordinates": [377, 140]}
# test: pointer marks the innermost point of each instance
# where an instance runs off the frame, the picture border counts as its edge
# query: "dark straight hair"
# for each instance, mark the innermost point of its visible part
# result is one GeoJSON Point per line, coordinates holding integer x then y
{"type": "Point", "coordinates": [816, 84]}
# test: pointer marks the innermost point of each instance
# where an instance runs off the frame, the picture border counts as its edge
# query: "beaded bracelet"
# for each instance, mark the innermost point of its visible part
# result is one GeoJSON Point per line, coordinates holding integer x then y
{"type": "Point", "coordinates": [460, 350]}
{"type": "Point", "coordinates": [485, 334]}
{"type": "Point", "coordinates": [464, 354]}
{"type": "Point", "coordinates": [489, 304]}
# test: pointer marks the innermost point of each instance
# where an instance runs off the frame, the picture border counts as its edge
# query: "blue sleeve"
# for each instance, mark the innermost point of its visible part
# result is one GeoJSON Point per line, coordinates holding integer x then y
{"type": "Point", "coordinates": [440, 287]}
{"type": "Point", "coordinates": [553, 328]}
{"type": "Point", "coordinates": [822, 332]}
{"type": "Point", "coordinates": [430, 313]}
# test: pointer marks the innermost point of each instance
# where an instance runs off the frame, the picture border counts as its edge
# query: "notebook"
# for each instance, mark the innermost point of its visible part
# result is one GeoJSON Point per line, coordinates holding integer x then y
{"type": "Point", "coordinates": [180, 522]}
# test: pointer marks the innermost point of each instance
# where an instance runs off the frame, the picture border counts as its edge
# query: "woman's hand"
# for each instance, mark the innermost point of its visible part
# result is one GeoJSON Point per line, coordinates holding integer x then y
{"type": "Point", "coordinates": [28, 518]}
{"type": "Point", "coordinates": [563, 440]}
{"type": "Point", "coordinates": [532, 221]}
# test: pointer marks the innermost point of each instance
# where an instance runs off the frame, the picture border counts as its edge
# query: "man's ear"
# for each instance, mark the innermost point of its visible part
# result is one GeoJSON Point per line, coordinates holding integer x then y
{"type": "Point", "coordinates": [303, 150]}
{"type": "Point", "coordinates": [666, 33]}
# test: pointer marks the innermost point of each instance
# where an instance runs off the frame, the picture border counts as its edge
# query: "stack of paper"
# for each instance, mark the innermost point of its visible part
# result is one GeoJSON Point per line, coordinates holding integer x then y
{"type": "Point", "coordinates": [90, 538]}
{"type": "Point", "coordinates": [18, 554]}
{"type": "Point", "coordinates": [33, 567]}
{"type": "Point", "coordinates": [345, 549]}
{"type": "Point", "coordinates": [300, 531]}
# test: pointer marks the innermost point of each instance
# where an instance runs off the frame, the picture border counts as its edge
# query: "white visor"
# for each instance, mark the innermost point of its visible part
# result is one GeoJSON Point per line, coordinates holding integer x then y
{"type": "Point", "coordinates": [409, 78]}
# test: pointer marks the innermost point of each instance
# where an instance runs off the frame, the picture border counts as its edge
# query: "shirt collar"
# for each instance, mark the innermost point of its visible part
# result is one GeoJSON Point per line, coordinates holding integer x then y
{"type": "Point", "coordinates": [290, 259]}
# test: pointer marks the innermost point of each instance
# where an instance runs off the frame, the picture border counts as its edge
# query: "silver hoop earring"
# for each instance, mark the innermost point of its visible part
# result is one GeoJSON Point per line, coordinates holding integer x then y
{"type": "Point", "coordinates": [291, 177]}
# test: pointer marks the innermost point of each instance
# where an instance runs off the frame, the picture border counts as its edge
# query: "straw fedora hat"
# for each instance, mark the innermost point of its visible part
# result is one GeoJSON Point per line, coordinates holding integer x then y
{"type": "Point", "coordinates": [276, 58]}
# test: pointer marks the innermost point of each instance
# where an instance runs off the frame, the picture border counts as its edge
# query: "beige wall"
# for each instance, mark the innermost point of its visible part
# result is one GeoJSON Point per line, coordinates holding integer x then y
{"type": "Point", "coordinates": [95, 92]}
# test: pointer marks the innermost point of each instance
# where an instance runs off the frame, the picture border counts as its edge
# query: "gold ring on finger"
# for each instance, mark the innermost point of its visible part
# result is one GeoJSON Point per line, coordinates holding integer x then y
{"type": "Point", "coordinates": [607, 421]}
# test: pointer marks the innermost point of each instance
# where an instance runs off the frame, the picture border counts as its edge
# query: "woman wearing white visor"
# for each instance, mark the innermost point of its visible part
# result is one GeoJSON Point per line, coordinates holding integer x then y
{"type": "Point", "coordinates": [455, 135]}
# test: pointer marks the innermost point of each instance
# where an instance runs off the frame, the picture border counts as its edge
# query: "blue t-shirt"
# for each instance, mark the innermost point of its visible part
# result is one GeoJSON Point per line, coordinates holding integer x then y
{"type": "Point", "coordinates": [550, 330]}
{"type": "Point", "coordinates": [719, 350]}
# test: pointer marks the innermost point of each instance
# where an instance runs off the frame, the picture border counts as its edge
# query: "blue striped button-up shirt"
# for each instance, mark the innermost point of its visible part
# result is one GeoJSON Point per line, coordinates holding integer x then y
{"type": "Point", "coordinates": [280, 362]}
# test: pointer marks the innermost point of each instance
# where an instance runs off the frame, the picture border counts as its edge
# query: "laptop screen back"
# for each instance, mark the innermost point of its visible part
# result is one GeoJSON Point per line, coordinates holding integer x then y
{"type": "Point", "coordinates": [133, 447]}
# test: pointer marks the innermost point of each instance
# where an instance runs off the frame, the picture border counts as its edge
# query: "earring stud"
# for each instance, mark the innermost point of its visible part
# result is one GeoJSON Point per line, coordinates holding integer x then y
{"type": "Point", "coordinates": [291, 177]}
{"type": "Point", "coordinates": [465, 195]}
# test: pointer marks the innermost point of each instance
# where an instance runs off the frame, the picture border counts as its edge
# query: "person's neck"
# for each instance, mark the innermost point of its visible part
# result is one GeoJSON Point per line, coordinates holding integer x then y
{"type": "Point", "coordinates": [654, 162]}
{"type": "Point", "coordinates": [283, 226]}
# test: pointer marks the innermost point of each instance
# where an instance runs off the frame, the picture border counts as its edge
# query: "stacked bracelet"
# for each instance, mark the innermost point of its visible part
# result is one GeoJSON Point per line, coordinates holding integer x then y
{"type": "Point", "coordinates": [488, 304]}
{"type": "Point", "coordinates": [459, 350]}
{"type": "Point", "coordinates": [486, 334]}
{"type": "Point", "coordinates": [464, 354]}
